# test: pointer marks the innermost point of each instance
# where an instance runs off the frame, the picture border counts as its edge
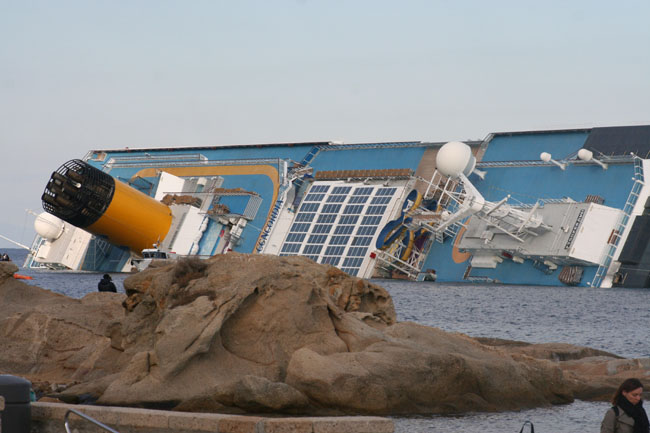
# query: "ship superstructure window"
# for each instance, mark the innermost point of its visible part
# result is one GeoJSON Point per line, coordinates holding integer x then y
{"type": "Point", "coordinates": [386, 191]}
{"type": "Point", "coordinates": [296, 237]}
{"type": "Point", "coordinates": [344, 230]}
{"type": "Point", "coordinates": [326, 219]}
{"type": "Point", "coordinates": [331, 208]}
{"type": "Point", "coordinates": [336, 199]}
{"type": "Point", "coordinates": [319, 188]}
{"type": "Point", "coordinates": [380, 200]}
{"type": "Point", "coordinates": [305, 217]}
{"type": "Point", "coordinates": [314, 197]}
{"type": "Point", "coordinates": [336, 224]}
{"type": "Point", "coordinates": [309, 207]}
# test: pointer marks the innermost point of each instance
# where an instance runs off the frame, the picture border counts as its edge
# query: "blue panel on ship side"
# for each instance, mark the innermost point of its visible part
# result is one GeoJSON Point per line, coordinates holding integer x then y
{"type": "Point", "coordinates": [527, 147]}
{"type": "Point", "coordinates": [528, 184]}
{"type": "Point", "coordinates": [369, 159]}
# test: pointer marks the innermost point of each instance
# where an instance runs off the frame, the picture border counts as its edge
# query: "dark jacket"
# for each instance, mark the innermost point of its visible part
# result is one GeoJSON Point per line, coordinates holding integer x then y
{"type": "Point", "coordinates": [106, 285]}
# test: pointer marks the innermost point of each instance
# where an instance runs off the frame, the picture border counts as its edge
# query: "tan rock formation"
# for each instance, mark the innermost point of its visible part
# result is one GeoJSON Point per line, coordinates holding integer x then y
{"type": "Point", "coordinates": [53, 339]}
{"type": "Point", "coordinates": [257, 333]}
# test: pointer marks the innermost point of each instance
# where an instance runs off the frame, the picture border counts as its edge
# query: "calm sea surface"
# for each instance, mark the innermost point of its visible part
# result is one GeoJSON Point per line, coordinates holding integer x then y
{"type": "Point", "coordinates": [615, 320]}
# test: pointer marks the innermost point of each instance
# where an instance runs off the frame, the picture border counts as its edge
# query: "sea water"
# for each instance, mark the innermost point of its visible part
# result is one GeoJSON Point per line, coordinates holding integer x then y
{"type": "Point", "coordinates": [614, 320]}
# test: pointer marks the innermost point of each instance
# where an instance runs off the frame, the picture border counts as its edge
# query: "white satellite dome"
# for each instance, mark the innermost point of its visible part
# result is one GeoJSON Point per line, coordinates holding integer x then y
{"type": "Point", "coordinates": [455, 158]}
{"type": "Point", "coordinates": [585, 154]}
{"type": "Point", "coordinates": [48, 226]}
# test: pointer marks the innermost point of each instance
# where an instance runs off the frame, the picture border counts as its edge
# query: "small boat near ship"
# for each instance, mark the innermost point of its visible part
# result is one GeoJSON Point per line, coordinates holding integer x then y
{"type": "Point", "coordinates": [151, 255]}
{"type": "Point", "coordinates": [560, 207]}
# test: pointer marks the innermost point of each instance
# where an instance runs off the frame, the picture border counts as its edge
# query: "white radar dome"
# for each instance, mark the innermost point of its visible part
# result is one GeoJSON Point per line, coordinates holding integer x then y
{"type": "Point", "coordinates": [455, 158]}
{"type": "Point", "coordinates": [48, 226]}
{"type": "Point", "coordinates": [585, 154]}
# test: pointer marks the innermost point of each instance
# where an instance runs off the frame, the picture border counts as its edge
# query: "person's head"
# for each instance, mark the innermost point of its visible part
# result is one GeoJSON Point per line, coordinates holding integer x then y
{"type": "Point", "coordinates": [107, 277]}
{"type": "Point", "coordinates": [631, 389]}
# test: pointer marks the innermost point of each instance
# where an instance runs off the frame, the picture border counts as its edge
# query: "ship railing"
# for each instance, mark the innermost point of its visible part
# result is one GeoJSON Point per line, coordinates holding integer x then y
{"type": "Point", "coordinates": [395, 262]}
{"type": "Point", "coordinates": [412, 266]}
{"type": "Point", "coordinates": [388, 145]}
{"type": "Point", "coordinates": [179, 162]}
{"type": "Point", "coordinates": [614, 159]}
{"type": "Point", "coordinates": [610, 248]}
{"type": "Point", "coordinates": [66, 422]}
{"type": "Point", "coordinates": [541, 202]}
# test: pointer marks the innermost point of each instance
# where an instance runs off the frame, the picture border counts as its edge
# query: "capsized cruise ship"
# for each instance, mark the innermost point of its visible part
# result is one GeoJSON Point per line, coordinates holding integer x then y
{"type": "Point", "coordinates": [562, 207]}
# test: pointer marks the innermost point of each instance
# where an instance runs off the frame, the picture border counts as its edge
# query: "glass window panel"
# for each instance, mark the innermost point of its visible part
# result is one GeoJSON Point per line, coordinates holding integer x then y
{"type": "Point", "coordinates": [300, 227]}
{"type": "Point", "coordinates": [361, 240]}
{"type": "Point", "coordinates": [326, 218]}
{"type": "Point", "coordinates": [341, 189]}
{"type": "Point", "coordinates": [349, 219]}
{"type": "Point", "coordinates": [334, 251]}
{"type": "Point", "coordinates": [322, 228]}
{"type": "Point", "coordinates": [351, 271]}
{"type": "Point", "coordinates": [309, 207]}
{"type": "Point", "coordinates": [314, 197]}
{"type": "Point", "coordinates": [331, 260]}
{"type": "Point", "coordinates": [352, 262]}
{"type": "Point", "coordinates": [367, 230]}
{"type": "Point", "coordinates": [305, 217]}
{"type": "Point", "coordinates": [376, 210]}
{"type": "Point", "coordinates": [359, 199]}
{"type": "Point", "coordinates": [339, 240]}
{"type": "Point", "coordinates": [371, 220]}
{"type": "Point", "coordinates": [357, 251]}
{"type": "Point", "coordinates": [319, 188]}
{"type": "Point", "coordinates": [353, 209]}
{"type": "Point", "coordinates": [331, 208]}
{"type": "Point", "coordinates": [317, 239]}
{"type": "Point", "coordinates": [380, 200]}
{"type": "Point", "coordinates": [290, 248]}
{"type": "Point", "coordinates": [386, 191]}
{"type": "Point", "coordinates": [336, 199]}
{"type": "Point", "coordinates": [295, 237]}
{"type": "Point", "coordinates": [363, 191]}
{"type": "Point", "coordinates": [312, 249]}
{"type": "Point", "coordinates": [314, 258]}
{"type": "Point", "coordinates": [343, 230]}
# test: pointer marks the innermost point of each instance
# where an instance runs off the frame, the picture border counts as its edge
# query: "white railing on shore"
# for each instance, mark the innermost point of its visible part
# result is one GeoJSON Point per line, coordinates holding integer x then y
{"type": "Point", "coordinates": [87, 418]}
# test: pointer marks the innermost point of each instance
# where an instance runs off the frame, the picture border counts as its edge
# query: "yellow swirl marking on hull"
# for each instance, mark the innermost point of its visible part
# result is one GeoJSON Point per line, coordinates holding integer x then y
{"type": "Point", "coordinates": [456, 255]}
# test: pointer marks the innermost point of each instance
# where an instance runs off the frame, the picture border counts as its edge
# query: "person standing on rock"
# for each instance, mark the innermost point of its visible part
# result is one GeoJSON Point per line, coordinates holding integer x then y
{"type": "Point", "coordinates": [627, 414]}
{"type": "Point", "coordinates": [106, 284]}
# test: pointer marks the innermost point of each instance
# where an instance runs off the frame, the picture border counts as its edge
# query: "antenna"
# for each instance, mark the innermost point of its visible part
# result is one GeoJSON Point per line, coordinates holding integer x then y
{"type": "Point", "coordinates": [456, 161]}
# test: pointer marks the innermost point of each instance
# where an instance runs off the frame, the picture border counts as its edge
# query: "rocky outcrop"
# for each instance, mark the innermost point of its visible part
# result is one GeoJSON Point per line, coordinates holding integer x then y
{"type": "Point", "coordinates": [257, 333]}
{"type": "Point", "coordinates": [593, 374]}
{"type": "Point", "coordinates": [54, 339]}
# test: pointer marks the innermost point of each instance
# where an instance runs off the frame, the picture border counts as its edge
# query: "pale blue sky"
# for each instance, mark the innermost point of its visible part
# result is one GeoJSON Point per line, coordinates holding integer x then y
{"type": "Point", "coordinates": [80, 75]}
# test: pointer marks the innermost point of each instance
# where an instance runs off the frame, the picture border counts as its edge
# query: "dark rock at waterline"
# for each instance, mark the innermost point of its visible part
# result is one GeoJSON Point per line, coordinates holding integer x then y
{"type": "Point", "coordinates": [257, 333]}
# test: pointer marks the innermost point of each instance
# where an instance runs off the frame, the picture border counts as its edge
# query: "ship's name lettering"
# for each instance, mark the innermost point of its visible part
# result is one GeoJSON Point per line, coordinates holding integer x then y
{"type": "Point", "coordinates": [266, 231]}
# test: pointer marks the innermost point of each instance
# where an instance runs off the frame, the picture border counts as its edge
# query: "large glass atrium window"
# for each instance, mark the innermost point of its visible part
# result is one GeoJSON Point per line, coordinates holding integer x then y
{"type": "Point", "coordinates": [336, 224]}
